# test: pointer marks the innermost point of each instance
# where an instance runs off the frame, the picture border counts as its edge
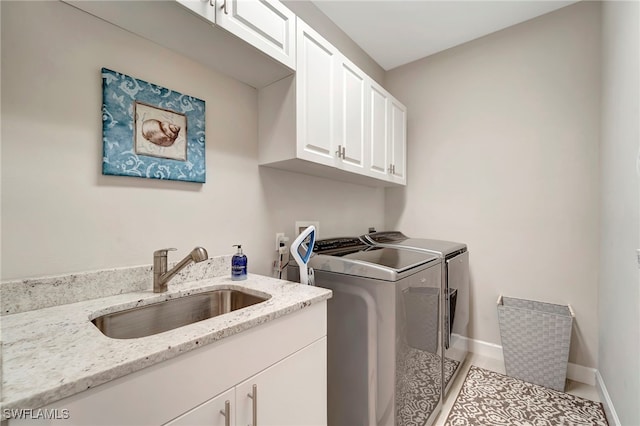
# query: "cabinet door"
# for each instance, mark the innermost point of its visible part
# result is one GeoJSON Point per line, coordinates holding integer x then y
{"type": "Point", "coordinates": [379, 131]}
{"type": "Point", "coordinates": [292, 392]}
{"type": "Point", "coordinates": [398, 134]}
{"type": "Point", "coordinates": [316, 97]}
{"type": "Point", "coordinates": [266, 24]}
{"type": "Point", "coordinates": [351, 117]}
{"type": "Point", "coordinates": [210, 413]}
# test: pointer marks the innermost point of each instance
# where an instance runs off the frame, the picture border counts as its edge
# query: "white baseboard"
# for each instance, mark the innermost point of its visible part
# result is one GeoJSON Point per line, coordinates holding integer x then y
{"type": "Point", "coordinates": [582, 374]}
{"type": "Point", "coordinates": [575, 372]}
{"type": "Point", "coordinates": [485, 349]}
{"type": "Point", "coordinates": [612, 416]}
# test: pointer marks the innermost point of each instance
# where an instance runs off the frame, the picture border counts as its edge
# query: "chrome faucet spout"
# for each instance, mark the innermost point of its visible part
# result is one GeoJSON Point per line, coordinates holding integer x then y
{"type": "Point", "coordinates": [161, 276]}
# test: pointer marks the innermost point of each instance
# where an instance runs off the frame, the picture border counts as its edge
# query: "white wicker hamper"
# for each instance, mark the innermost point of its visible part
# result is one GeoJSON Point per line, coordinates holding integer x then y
{"type": "Point", "coordinates": [535, 340]}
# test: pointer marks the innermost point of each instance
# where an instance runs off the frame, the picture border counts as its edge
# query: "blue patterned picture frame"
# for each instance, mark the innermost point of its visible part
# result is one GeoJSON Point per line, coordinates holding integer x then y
{"type": "Point", "coordinates": [149, 131]}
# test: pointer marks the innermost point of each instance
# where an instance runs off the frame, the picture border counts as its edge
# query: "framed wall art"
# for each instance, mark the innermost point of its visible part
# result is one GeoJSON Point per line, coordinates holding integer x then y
{"type": "Point", "coordinates": [150, 131]}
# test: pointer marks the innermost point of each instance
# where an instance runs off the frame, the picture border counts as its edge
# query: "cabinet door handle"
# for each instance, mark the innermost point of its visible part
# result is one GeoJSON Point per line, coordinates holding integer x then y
{"type": "Point", "coordinates": [254, 405]}
{"type": "Point", "coordinates": [393, 167]}
{"type": "Point", "coordinates": [225, 8]}
{"type": "Point", "coordinates": [212, 3]}
{"type": "Point", "coordinates": [339, 151]}
{"type": "Point", "coordinates": [226, 413]}
{"type": "Point", "coordinates": [344, 152]}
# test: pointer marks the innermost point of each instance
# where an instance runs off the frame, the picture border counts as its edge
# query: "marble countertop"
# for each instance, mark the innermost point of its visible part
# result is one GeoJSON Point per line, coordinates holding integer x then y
{"type": "Point", "coordinates": [52, 353]}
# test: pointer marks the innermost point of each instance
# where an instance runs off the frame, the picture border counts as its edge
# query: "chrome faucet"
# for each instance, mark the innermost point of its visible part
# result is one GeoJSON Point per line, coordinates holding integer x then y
{"type": "Point", "coordinates": [161, 276]}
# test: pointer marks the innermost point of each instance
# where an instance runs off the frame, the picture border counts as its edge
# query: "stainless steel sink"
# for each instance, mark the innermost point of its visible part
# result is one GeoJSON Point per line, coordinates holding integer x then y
{"type": "Point", "coordinates": [158, 317]}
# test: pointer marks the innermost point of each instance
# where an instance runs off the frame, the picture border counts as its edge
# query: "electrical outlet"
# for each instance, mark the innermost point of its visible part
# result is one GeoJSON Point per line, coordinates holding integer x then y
{"type": "Point", "coordinates": [301, 225]}
{"type": "Point", "coordinates": [279, 237]}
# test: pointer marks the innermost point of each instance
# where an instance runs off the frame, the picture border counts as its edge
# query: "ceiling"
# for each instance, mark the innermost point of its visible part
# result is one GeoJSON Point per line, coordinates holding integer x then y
{"type": "Point", "coordinates": [396, 32]}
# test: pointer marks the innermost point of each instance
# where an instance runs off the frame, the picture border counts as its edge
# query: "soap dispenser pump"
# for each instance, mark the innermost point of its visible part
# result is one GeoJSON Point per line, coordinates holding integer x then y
{"type": "Point", "coordinates": [239, 265]}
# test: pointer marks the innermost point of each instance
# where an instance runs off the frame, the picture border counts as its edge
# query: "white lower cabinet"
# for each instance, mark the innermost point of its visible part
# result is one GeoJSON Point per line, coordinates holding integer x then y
{"type": "Point", "coordinates": [289, 393]}
{"type": "Point", "coordinates": [285, 358]}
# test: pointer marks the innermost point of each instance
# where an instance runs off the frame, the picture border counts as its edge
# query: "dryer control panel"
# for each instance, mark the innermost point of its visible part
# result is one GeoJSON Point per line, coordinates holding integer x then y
{"type": "Point", "coordinates": [329, 245]}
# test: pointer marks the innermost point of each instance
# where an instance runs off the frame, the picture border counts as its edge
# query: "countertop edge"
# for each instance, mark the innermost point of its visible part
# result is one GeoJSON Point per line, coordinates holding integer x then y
{"type": "Point", "coordinates": [65, 390]}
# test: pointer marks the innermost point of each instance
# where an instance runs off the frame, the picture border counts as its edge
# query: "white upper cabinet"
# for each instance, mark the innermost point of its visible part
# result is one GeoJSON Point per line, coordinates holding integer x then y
{"type": "Point", "coordinates": [316, 95]}
{"type": "Point", "coordinates": [331, 104]}
{"type": "Point", "coordinates": [255, 46]}
{"type": "Point", "coordinates": [379, 128]}
{"type": "Point", "coordinates": [331, 119]}
{"type": "Point", "coordinates": [351, 117]}
{"type": "Point", "coordinates": [398, 146]}
{"type": "Point", "coordinates": [388, 124]}
{"type": "Point", "coordinates": [327, 119]}
{"type": "Point", "coordinates": [265, 24]}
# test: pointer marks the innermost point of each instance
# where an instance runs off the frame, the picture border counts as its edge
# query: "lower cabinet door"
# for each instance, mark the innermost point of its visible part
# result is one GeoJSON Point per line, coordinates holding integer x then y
{"type": "Point", "coordinates": [214, 412]}
{"type": "Point", "coordinates": [292, 392]}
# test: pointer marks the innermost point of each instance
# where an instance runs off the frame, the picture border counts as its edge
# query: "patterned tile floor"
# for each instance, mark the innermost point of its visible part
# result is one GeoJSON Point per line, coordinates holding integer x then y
{"type": "Point", "coordinates": [574, 388]}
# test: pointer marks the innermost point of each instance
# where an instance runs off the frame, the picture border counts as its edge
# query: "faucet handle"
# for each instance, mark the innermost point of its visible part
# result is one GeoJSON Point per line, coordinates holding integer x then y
{"type": "Point", "coordinates": [163, 252]}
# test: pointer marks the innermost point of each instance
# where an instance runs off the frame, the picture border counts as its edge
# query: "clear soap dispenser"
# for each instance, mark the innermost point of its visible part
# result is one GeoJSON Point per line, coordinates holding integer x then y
{"type": "Point", "coordinates": [239, 265]}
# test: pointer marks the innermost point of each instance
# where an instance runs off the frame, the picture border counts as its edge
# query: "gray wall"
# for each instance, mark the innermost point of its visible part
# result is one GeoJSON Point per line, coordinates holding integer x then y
{"type": "Point", "coordinates": [61, 215]}
{"type": "Point", "coordinates": [619, 290]}
{"type": "Point", "coordinates": [503, 138]}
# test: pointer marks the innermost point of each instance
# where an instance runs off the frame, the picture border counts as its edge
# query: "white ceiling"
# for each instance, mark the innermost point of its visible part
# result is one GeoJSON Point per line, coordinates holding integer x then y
{"type": "Point", "coordinates": [396, 32]}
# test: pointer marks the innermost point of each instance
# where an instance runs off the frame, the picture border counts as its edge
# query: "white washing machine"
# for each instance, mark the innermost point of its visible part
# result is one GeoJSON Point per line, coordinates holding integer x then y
{"type": "Point", "coordinates": [455, 289]}
{"type": "Point", "coordinates": [384, 326]}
